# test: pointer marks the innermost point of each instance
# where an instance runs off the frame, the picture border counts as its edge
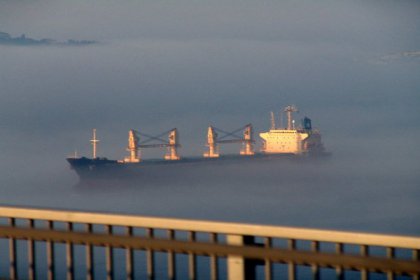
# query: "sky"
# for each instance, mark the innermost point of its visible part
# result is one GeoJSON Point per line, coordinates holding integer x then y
{"type": "Point", "coordinates": [351, 66]}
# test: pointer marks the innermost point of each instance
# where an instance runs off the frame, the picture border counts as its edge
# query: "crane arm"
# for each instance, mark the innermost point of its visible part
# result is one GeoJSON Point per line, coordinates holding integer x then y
{"type": "Point", "coordinates": [151, 138]}
{"type": "Point", "coordinates": [233, 133]}
{"type": "Point", "coordinates": [234, 141]}
{"type": "Point", "coordinates": [157, 146]}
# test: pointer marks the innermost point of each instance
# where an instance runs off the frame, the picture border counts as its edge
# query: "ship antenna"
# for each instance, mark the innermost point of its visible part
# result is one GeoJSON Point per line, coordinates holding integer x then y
{"type": "Point", "coordinates": [281, 120]}
{"type": "Point", "coordinates": [94, 142]}
{"type": "Point", "coordinates": [273, 121]}
{"type": "Point", "coordinates": [289, 110]}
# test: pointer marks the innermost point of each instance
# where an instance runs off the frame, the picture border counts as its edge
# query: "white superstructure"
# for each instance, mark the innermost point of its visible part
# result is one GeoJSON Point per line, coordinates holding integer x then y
{"type": "Point", "coordinates": [283, 141]}
{"type": "Point", "coordinates": [291, 140]}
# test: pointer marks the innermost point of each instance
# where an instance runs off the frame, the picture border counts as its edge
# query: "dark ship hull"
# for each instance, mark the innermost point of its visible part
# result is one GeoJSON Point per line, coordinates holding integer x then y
{"type": "Point", "coordinates": [184, 169]}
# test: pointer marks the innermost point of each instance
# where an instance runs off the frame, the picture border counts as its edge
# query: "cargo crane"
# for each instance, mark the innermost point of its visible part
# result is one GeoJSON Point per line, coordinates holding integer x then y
{"type": "Point", "coordinates": [135, 146]}
{"type": "Point", "coordinates": [211, 143]}
{"type": "Point", "coordinates": [213, 140]}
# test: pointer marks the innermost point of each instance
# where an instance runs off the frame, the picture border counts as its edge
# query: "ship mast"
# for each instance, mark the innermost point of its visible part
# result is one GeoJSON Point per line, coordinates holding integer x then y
{"type": "Point", "coordinates": [289, 110]}
{"type": "Point", "coordinates": [94, 142]}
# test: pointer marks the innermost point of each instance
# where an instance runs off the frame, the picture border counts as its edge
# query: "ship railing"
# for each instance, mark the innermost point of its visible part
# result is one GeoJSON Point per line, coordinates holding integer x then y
{"type": "Point", "coordinates": [190, 249]}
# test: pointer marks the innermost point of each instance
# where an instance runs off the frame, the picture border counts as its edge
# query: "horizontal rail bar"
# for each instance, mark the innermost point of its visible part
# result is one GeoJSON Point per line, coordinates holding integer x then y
{"type": "Point", "coordinates": [215, 227]}
{"type": "Point", "coordinates": [201, 248]}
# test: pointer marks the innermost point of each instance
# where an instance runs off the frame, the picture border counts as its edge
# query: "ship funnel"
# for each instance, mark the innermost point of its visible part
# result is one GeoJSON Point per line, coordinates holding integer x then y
{"type": "Point", "coordinates": [133, 148]}
{"type": "Point", "coordinates": [307, 123]}
{"type": "Point", "coordinates": [173, 145]}
{"type": "Point", "coordinates": [211, 143]}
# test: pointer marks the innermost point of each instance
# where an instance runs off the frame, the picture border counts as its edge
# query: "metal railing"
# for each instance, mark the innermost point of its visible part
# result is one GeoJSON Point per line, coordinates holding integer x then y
{"type": "Point", "coordinates": [242, 248]}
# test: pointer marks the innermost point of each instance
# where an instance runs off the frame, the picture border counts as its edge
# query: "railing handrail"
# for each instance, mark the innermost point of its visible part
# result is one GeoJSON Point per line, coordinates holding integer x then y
{"type": "Point", "coordinates": [357, 238]}
{"type": "Point", "coordinates": [221, 250]}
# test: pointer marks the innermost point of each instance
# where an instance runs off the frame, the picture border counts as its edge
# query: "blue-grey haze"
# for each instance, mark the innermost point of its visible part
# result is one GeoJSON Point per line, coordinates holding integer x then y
{"type": "Point", "coordinates": [188, 64]}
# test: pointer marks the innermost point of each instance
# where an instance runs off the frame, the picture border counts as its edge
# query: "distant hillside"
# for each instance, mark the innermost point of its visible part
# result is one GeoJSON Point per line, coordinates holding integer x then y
{"type": "Point", "coordinates": [7, 39]}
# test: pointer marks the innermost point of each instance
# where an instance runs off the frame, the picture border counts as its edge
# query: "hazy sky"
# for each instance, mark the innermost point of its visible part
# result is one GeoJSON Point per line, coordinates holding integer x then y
{"type": "Point", "coordinates": [188, 64]}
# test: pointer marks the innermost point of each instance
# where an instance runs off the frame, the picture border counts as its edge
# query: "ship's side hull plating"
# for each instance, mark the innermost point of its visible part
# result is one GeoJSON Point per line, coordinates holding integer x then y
{"type": "Point", "coordinates": [102, 168]}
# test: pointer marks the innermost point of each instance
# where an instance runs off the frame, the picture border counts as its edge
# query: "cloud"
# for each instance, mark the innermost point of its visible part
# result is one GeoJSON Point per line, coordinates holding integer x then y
{"type": "Point", "coordinates": [400, 56]}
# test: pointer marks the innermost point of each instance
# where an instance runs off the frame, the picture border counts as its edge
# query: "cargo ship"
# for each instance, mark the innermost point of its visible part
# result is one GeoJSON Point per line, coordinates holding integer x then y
{"type": "Point", "coordinates": [292, 142]}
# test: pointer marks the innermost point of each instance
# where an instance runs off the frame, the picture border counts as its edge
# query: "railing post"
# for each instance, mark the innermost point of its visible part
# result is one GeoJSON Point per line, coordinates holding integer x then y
{"type": "Point", "coordinates": [416, 257]}
{"type": "Point", "coordinates": [109, 256]}
{"type": "Point", "coordinates": [239, 267]}
{"type": "Point", "coordinates": [291, 271]}
{"type": "Point", "coordinates": [50, 254]}
{"type": "Point", "coordinates": [268, 268]}
{"type": "Point", "coordinates": [171, 257]}
{"type": "Point", "coordinates": [214, 267]}
{"type": "Point", "coordinates": [192, 263]}
{"type": "Point", "coordinates": [235, 264]}
{"type": "Point", "coordinates": [69, 255]}
{"type": "Point", "coordinates": [12, 253]}
{"type": "Point", "coordinates": [338, 270]}
{"type": "Point", "coordinates": [390, 253]}
{"type": "Point", "coordinates": [364, 251]}
{"type": "Point", "coordinates": [31, 253]}
{"type": "Point", "coordinates": [89, 256]}
{"type": "Point", "coordinates": [150, 257]}
{"type": "Point", "coordinates": [314, 267]}
{"type": "Point", "coordinates": [129, 257]}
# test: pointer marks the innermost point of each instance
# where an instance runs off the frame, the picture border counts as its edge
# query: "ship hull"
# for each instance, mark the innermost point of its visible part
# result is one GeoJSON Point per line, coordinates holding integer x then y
{"type": "Point", "coordinates": [179, 170]}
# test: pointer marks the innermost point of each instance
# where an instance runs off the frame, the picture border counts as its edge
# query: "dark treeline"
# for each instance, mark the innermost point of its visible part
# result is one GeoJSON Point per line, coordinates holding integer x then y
{"type": "Point", "coordinates": [7, 39]}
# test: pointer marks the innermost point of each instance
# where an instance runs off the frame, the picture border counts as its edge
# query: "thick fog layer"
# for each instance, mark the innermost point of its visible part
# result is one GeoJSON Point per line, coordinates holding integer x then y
{"type": "Point", "coordinates": [352, 67]}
